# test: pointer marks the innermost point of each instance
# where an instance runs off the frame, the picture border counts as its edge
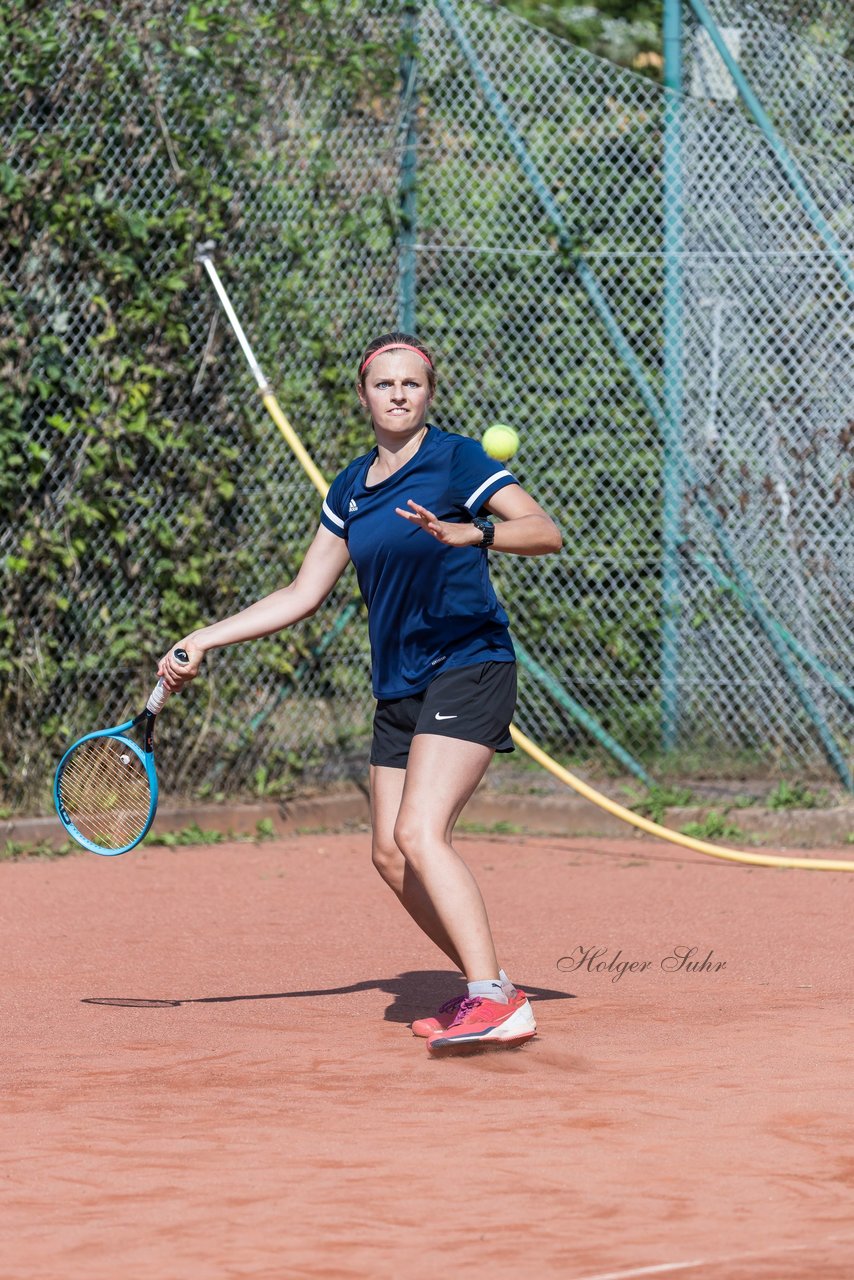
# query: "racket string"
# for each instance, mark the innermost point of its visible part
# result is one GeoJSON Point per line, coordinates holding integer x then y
{"type": "Point", "coordinates": [105, 791]}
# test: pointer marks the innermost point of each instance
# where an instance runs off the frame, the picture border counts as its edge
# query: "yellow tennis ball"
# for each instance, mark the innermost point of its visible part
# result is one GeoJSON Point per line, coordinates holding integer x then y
{"type": "Point", "coordinates": [500, 441]}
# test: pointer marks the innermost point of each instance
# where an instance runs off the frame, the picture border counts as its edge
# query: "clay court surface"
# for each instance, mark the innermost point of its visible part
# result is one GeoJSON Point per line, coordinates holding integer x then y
{"type": "Point", "coordinates": [208, 1070]}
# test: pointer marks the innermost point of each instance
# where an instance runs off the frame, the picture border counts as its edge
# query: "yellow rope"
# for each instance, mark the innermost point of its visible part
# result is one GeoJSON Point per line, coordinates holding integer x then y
{"type": "Point", "coordinates": [664, 833]}
{"type": "Point", "coordinates": [273, 407]}
{"type": "Point", "coordinates": [536, 753]}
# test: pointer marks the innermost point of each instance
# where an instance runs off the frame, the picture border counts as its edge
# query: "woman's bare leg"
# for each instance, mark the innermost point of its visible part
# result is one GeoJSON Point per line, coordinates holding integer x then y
{"type": "Point", "coordinates": [441, 776]}
{"type": "Point", "coordinates": [386, 793]}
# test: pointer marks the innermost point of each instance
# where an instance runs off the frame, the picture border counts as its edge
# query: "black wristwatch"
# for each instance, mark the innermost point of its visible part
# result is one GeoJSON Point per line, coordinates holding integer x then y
{"type": "Point", "coordinates": [486, 529]}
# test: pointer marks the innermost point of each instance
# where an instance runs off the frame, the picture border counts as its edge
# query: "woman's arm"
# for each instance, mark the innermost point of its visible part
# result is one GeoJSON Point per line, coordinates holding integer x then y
{"type": "Point", "coordinates": [525, 529]}
{"type": "Point", "coordinates": [325, 561]}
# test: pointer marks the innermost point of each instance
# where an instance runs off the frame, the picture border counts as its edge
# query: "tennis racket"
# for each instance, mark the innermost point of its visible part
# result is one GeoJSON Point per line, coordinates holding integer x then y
{"type": "Point", "coordinates": [105, 789]}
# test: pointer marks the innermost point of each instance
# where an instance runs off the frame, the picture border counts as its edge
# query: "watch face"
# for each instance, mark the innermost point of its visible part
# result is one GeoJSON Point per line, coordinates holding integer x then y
{"type": "Point", "coordinates": [486, 528]}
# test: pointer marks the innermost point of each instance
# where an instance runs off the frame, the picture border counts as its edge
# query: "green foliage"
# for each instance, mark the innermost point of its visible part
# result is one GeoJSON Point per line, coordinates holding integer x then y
{"type": "Point", "coordinates": [110, 474]}
{"type": "Point", "coordinates": [193, 834]}
{"type": "Point", "coordinates": [526, 346]}
{"type": "Point", "coordinates": [502, 828]}
{"type": "Point", "coordinates": [659, 799]}
{"type": "Point", "coordinates": [15, 850]}
{"type": "Point", "coordinates": [628, 31]}
{"type": "Point", "coordinates": [120, 456]}
{"type": "Point", "coordinates": [715, 826]}
{"type": "Point", "coordinates": [625, 31]}
{"type": "Point", "coordinates": [795, 795]}
{"type": "Point", "coordinates": [132, 268]}
{"type": "Point", "coordinates": [190, 835]}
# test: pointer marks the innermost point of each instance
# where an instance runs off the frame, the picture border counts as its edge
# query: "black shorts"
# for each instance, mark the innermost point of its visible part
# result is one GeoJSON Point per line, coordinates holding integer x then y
{"type": "Point", "coordinates": [472, 703]}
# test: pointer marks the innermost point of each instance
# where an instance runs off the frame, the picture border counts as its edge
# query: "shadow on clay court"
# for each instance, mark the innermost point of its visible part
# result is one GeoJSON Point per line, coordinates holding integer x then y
{"type": "Point", "coordinates": [412, 991]}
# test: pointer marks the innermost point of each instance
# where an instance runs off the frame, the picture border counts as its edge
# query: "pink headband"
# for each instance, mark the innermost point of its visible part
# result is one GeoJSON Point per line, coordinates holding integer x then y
{"type": "Point", "coordinates": [395, 346]}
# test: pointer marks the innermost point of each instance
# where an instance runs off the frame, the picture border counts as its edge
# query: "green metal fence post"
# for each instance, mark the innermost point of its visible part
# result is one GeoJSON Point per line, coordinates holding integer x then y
{"type": "Point", "coordinates": [580, 714]}
{"type": "Point", "coordinates": [408, 168]}
{"type": "Point", "coordinates": [673, 376]}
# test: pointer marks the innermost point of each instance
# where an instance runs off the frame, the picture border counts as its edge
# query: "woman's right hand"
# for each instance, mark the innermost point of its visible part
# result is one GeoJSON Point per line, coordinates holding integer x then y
{"type": "Point", "coordinates": [176, 674]}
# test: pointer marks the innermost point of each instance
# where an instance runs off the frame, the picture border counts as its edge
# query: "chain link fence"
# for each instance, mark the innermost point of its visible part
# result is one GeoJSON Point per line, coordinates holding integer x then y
{"type": "Point", "coordinates": [534, 256]}
{"type": "Point", "coordinates": [765, 325]}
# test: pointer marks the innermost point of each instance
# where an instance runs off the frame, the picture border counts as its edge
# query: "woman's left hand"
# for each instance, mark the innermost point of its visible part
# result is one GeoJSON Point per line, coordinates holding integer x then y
{"type": "Point", "coordinates": [451, 534]}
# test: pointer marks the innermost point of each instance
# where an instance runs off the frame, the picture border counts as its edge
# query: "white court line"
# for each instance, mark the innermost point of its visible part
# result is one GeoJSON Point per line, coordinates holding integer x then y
{"type": "Point", "coordinates": [650, 1271]}
{"type": "Point", "coordinates": [662, 1268]}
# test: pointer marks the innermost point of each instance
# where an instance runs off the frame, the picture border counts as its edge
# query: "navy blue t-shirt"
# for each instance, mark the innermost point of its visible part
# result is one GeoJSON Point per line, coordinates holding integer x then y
{"type": "Point", "coordinates": [430, 607]}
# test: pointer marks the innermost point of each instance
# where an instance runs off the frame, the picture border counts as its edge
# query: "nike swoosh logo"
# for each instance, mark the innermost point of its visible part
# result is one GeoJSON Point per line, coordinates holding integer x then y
{"type": "Point", "coordinates": [438, 717]}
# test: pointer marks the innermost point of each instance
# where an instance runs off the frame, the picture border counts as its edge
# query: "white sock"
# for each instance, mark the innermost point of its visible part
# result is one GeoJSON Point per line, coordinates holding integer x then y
{"type": "Point", "coordinates": [506, 985]}
{"type": "Point", "coordinates": [488, 989]}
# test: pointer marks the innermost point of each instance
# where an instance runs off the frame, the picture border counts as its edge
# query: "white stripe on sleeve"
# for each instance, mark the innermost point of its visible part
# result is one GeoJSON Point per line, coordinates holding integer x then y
{"type": "Point", "coordinates": [470, 502]}
{"type": "Point", "coordinates": [331, 514]}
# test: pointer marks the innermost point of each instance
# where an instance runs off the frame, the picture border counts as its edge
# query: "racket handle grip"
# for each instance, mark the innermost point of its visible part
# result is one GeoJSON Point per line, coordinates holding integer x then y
{"type": "Point", "coordinates": [160, 693]}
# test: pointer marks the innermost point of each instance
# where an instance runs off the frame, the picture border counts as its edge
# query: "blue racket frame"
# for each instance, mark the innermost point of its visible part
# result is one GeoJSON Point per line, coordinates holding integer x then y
{"type": "Point", "coordinates": [149, 714]}
{"type": "Point", "coordinates": [145, 754]}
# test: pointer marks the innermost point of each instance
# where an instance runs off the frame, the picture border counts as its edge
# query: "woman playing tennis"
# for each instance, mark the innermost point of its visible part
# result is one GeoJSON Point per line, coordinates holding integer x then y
{"type": "Point", "coordinates": [410, 516]}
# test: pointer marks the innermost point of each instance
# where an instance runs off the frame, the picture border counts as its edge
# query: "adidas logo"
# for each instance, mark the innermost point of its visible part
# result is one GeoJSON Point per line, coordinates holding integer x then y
{"type": "Point", "coordinates": [352, 507]}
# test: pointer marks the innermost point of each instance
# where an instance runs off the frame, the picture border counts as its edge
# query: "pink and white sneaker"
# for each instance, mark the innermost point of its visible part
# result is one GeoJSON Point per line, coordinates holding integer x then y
{"type": "Point", "coordinates": [444, 1017]}
{"type": "Point", "coordinates": [481, 1021]}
